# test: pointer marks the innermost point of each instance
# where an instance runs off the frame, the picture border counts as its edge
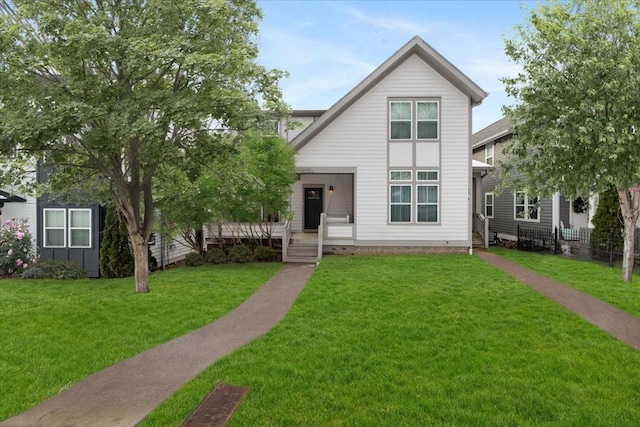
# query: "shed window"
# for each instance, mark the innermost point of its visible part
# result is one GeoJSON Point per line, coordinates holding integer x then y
{"type": "Point", "coordinates": [54, 228]}
{"type": "Point", "coordinates": [79, 228]}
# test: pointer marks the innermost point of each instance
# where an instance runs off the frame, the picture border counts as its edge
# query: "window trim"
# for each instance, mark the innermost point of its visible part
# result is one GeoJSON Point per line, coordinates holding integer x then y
{"type": "Point", "coordinates": [401, 180]}
{"type": "Point", "coordinates": [70, 228]}
{"type": "Point", "coordinates": [492, 204]}
{"type": "Point", "coordinates": [436, 204]}
{"type": "Point", "coordinates": [410, 203]}
{"type": "Point", "coordinates": [437, 120]}
{"type": "Point", "coordinates": [493, 154]}
{"type": "Point", "coordinates": [527, 206]}
{"type": "Point", "coordinates": [45, 228]}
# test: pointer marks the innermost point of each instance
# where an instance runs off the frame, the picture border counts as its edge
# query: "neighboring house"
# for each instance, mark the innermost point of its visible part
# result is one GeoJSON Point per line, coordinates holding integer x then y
{"type": "Point", "coordinates": [512, 207]}
{"type": "Point", "coordinates": [388, 168]}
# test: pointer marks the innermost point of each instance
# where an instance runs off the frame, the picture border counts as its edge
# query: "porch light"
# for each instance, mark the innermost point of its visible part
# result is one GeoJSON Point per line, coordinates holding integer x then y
{"type": "Point", "coordinates": [331, 189]}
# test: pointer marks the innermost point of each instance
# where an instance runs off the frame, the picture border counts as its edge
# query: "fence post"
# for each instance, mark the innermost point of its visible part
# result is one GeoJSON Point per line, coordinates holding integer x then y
{"type": "Point", "coordinates": [555, 240]}
{"type": "Point", "coordinates": [611, 248]}
{"type": "Point", "coordinates": [518, 240]}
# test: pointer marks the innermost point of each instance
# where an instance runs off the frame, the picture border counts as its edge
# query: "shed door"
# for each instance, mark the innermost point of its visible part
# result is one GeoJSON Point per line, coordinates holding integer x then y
{"type": "Point", "coordinates": [312, 208]}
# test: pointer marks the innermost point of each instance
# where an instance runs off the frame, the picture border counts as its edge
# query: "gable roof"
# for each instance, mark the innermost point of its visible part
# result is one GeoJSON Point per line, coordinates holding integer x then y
{"type": "Point", "coordinates": [415, 46]}
{"type": "Point", "coordinates": [492, 132]}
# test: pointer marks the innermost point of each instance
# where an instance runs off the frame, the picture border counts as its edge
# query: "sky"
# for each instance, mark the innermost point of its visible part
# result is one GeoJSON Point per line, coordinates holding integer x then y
{"type": "Point", "coordinates": [328, 47]}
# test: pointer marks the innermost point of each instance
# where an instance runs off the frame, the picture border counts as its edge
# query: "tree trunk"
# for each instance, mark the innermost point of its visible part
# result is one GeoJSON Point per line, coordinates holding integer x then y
{"type": "Point", "coordinates": [630, 207]}
{"type": "Point", "coordinates": [140, 256]}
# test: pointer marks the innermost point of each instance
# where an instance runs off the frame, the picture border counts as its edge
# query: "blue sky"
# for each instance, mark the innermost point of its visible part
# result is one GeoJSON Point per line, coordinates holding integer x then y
{"type": "Point", "coordinates": [330, 46]}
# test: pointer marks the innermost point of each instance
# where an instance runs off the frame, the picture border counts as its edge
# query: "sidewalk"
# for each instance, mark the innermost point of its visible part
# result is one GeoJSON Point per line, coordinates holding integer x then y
{"type": "Point", "coordinates": [125, 393]}
{"type": "Point", "coordinates": [619, 323]}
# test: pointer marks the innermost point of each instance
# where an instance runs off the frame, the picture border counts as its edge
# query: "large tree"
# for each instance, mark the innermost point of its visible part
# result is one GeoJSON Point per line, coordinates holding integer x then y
{"type": "Point", "coordinates": [113, 92]}
{"type": "Point", "coordinates": [577, 110]}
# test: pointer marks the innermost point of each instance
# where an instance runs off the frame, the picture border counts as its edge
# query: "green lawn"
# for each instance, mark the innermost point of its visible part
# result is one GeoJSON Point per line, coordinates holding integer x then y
{"type": "Point", "coordinates": [55, 333]}
{"type": "Point", "coordinates": [595, 279]}
{"type": "Point", "coordinates": [422, 341]}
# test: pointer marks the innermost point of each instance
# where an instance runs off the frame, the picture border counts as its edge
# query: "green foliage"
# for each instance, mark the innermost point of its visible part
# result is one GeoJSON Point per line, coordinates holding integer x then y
{"type": "Point", "coordinates": [577, 104]}
{"type": "Point", "coordinates": [605, 220]}
{"type": "Point", "coordinates": [215, 256]}
{"type": "Point", "coordinates": [116, 256]}
{"type": "Point", "coordinates": [193, 259]}
{"type": "Point", "coordinates": [265, 254]}
{"type": "Point", "coordinates": [122, 97]}
{"type": "Point", "coordinates": [240, 254]}
{"type": "Point", "coordinates": [17, 249]}
{"type": "Point", "coordinates": [55, 269]}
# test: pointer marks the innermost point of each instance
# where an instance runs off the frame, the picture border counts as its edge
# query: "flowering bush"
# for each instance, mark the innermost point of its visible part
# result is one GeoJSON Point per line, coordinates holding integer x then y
{"type": "Point", "coordinates": [17, 247]}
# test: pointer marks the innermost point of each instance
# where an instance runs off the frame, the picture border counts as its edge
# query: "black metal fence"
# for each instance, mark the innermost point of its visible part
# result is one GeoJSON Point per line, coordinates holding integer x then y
{"type": "Point", "coordinates": [581, 243]}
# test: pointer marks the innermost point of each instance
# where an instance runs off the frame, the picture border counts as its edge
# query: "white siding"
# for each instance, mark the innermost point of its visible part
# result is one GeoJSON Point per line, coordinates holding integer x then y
{"type": "Point", "coordinates": [22, 211]}
{"type": "Point", "coordinates": [358, 138]}
{"type": "Point", "coordinates": [175, 250]}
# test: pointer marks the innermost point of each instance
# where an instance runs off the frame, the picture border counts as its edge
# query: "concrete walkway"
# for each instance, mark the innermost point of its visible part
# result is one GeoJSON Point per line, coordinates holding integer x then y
{"type": "Point", "coordinates": [619, 323]}
{"type": "Point", "coordinates": [124, 394]}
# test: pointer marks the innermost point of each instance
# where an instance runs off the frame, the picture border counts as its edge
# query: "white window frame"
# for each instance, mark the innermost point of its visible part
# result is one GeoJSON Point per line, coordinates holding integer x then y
{"type": "Point", "coordinates": [489, 158]}
{"type": "Point", "coordinates": [527, 208]}
{"type": "Point", "coordinates": [410, 203]}
{"type": "Point", "coordinates": [391, 178]}
{"type": "Point", "coordinates": [427, 179]}
{"type": "Point", "coordinates": [45, 227]}
{"type": "Point", "coordinates": [410, 119]}
{"type": "Point", "coordinates": [436, 204]}
{"type": "Point", "coordinates": [487, 204]}
{"type": "Point", "coordinates": [70, 228]}
{"type": "Point", "coordinates": [437, 119]}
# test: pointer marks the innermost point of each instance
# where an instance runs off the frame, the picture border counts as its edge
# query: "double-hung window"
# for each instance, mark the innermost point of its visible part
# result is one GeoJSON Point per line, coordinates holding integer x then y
{"type": "Point", "coordinates": [525, 207]}
{"type": "Point", "coordinates": [79, 228]}
{"type": "Point", "coordinates": [400, 116]}
{"type": "Point", "coordinates": [488, 205]}
{"type": "Point", "coordinates": [427, 119]}
{"type": "Point", "coordinates": [55, 226]}
{"type": "Point", "coordinates": [488, 154]}
{"type": "Point", "coordinates": [400, 196]}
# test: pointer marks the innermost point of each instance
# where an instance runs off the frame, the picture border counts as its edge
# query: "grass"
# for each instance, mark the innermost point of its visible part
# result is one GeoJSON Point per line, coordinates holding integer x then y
{"type": "Point", "coordinates": [55, 333]}
{"type": "Point", "coordinates": [595, 279]}
{"type": "Point", "coordinates": [413, 341]}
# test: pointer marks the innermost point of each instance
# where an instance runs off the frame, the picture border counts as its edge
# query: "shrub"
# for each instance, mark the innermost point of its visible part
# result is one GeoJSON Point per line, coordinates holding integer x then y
{"type": "Point", "coordinates": [240, 254]}
{"type": "Point", "coordinates": [265, 254]}
{"type": "Point", "coordinates": [116, 256]}
{"type": "Point", "coordinates": [193, 259]}
{"type": "Point", "coordinates": [55, 269]}
{"type": "Point", "coordinates": [215, 256]}
{"type": "Point", "coordinates": [17, 247]}
{"type": "Point", "coordinates": [606, 219]}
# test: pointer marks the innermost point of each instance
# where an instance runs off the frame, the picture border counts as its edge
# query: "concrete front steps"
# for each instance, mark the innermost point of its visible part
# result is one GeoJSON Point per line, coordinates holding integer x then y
{"type": "Point", "coordinates": [303, 248]}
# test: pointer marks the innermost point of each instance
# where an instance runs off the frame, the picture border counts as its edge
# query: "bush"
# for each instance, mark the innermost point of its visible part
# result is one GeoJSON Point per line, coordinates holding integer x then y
{"type": "Point", "coordinates": [54, 269]}
{"type": "Point", "coordinates": [606, 219]}
{"type": "Point", "coordinates": [240, 254]}
{"type": "Point", "coordinates": [17, 249]}
{"type": "Point", "coordinates": [215, 256]}
{"type": "Point", "coordinates": [116, 256]}
{"type": "Point", "coordinates": [193, 259]}
{"type": "Point", "coordinates": [265, 254]}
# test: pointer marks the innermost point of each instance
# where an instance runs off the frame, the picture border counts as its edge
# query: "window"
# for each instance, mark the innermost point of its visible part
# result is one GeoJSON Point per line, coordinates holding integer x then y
{"type": "Point", "coordinates": [488, 154]}
{"type": "Point", "coordinates": [525, 208]}
{"type": "Point", "coordinates": [54, 228]}
{"type": "Point", "coordinates": [403, 120]}
{"type": "Point", "coordinates": [427, 203]}
{"type": "Point", "coordinates": [400, 203]}
{"type": "Point", "coordinates": [79, 228]}
{"type": "Point", "coordinates": [400, 175]}
{"type": "Point", "coordinates": [427, 175]}
{"type": "Point", "coordinates": [488, 205]}
{"type": "Point", "coordinates": [427, 119]}
{"type": "Point", "coordinates": [400, 120]}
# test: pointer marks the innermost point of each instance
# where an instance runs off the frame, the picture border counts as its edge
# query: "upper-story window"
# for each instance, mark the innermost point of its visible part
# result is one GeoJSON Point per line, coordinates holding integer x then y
{"type": "Point", "coordinates": [400, 119]}
{"type": "Point", "coordinates": [488, 154]}
{"type": "Point", "coordinates": [414, 120]}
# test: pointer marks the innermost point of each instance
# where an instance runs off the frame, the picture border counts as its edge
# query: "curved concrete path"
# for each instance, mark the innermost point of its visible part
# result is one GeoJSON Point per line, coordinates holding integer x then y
{"type": "Point", "coordinates": [619, 323]}
{"type": "Point", "coordinates": [125, 393]}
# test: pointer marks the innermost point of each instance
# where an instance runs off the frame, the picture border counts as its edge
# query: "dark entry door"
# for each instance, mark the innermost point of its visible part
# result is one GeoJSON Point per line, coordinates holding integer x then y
{"type": "Point", "coordinates": [312, 208]}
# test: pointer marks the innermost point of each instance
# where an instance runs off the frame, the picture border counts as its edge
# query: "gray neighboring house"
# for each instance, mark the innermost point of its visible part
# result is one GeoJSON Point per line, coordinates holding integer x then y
{"type": "Point", "coordinates": [512, 208]}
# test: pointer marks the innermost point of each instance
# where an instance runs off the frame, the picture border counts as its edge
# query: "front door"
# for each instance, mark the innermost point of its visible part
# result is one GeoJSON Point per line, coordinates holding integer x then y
{"type": "Point", "coordinates": [312, 208]}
